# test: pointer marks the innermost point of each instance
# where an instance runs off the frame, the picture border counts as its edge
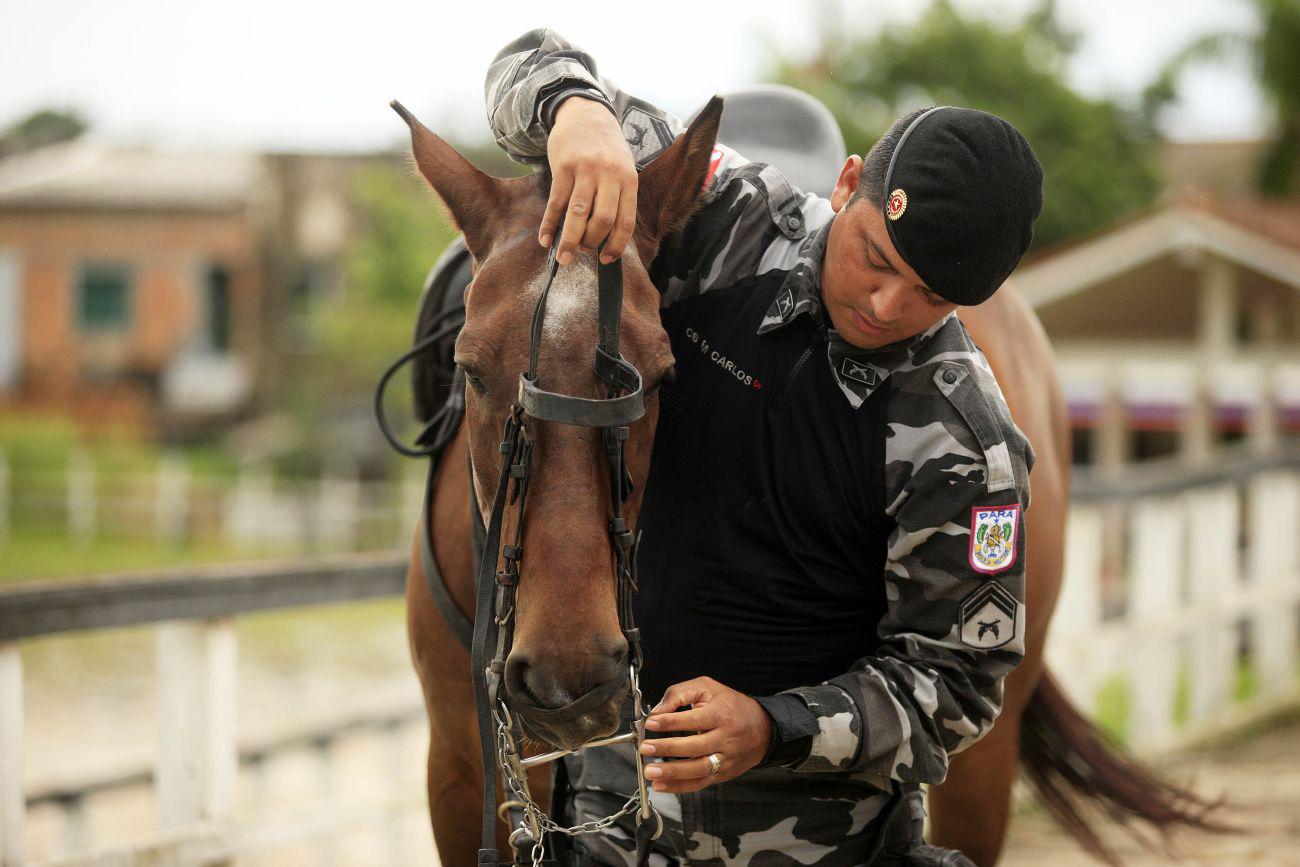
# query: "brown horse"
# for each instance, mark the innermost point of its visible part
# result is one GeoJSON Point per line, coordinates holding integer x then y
{"type": "Point", "coordinates": [568, 551]}
{"type": "Point", "coordinates": [566, 545]}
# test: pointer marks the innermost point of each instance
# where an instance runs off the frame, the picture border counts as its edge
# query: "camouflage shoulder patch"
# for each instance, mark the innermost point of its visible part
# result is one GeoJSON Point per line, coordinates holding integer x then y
{"type": "Point", "coordinates": [990, 617]}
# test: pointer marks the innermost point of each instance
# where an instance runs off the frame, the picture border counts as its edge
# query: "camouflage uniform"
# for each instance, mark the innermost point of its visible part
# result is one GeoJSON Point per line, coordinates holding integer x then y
{"type": "Point", "coordinates": [951, 485]}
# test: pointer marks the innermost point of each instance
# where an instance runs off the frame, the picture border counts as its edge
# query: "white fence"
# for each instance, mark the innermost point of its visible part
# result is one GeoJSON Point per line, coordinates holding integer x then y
{"type": "Point", "coordinates": [1182, 596]}
{"type": "Point", "coordinates": [170, 503]}
{"type": "Point", "coordinates": [198, 762]}
{"type": "Point", "coordinates": [1181, 602]}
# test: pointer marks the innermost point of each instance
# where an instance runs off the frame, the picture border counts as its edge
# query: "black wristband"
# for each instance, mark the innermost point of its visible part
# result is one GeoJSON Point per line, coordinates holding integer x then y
{"type": "Point", "coordinates": [793, 727]}
{"type": "Point", "coordinates": [551, 104]}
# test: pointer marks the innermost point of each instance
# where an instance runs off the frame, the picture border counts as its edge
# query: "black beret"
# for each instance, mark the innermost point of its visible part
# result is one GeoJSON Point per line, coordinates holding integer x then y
{"type": "Point", "coordinates": [961, 195]}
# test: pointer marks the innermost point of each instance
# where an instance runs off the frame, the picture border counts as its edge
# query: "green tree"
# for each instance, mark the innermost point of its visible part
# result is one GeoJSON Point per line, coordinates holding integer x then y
{"type": "Point", "coordinates": [353, 334]}
{"type": "Point", "coordinates": [1096, 155]}
{"type": "Point", "coordinates": [1273, 53]}
{"type": "Point", "coordinates": [40, 128]}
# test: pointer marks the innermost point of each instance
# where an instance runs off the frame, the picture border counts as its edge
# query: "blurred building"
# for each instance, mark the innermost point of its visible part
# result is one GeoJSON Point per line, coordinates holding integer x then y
{"type": "Point", "coordinates": [1178, 330]}
{"type": "Point", "coordinates": [158, 289]}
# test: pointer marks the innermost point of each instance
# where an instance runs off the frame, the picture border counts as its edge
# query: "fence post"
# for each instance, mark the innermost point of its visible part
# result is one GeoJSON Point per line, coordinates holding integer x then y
{"type": "Point", "coordinates": [1274, 575]}
{"type": "Point", "coordinates": [172, 498]}
{"type": "Point", "coordinates": [339, 511]}
{"type": "Point", "coordinates": [250, 515]}
{"type": "Point", "coordinates": [197, 760]}
{"type": "Point", "coordinates": [13, 805]}
{"type": "Point", "coordinates": [1157, 525]}
{"type": "Point", "coordinates": [1073, 640]}
{"type": "Point", "coordinates": [1213, 576]}
{"type": "Point", "coordinates": [327, 845]}
{"type": "Point", "coordinates": [81, 496]}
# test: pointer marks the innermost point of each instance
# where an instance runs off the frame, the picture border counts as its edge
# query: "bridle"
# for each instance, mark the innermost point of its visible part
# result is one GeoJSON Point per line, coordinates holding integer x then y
{"type": "Point", "coordinates": [493, 628]}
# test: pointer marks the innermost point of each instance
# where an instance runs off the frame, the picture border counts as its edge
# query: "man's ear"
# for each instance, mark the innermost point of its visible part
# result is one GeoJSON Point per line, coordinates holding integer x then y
{"type": "Point", "coordinates": [669, 189]}
{"type": "Point", "coordinates": [847, 183]}
{"type": "Point", "coordinates": [475, 199]}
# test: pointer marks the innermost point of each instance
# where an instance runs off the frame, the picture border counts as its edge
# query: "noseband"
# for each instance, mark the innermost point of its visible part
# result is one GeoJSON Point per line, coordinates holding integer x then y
{"type": "Point", "coordinates": [493, 628]}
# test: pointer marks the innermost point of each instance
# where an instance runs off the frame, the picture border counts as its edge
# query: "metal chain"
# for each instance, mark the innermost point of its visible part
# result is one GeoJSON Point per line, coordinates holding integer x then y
{"type": "Point", "coordinates": [535, 816]}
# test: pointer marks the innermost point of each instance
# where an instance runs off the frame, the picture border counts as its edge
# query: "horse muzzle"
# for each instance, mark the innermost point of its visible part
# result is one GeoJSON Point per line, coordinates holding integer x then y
{"type": "Point", "coordinates": [549, 713]}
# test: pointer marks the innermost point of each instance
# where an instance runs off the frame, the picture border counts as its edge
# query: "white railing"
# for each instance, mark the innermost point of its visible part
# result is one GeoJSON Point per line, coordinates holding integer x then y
{"type": "Point", "coordinates": [253, 510]}
{"type": "Point", "coordinates": [1182, 599]}
{"type": "Point", "coordinates": [198, 760]}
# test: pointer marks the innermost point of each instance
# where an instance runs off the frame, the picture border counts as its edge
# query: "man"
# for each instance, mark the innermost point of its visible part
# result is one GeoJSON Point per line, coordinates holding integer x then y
{"type": "Point", "coordinates": [833, 553]}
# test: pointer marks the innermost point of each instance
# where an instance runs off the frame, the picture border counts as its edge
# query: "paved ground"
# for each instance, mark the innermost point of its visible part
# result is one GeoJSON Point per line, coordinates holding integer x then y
{"type": "Point", "coordinates": [1259, 773]}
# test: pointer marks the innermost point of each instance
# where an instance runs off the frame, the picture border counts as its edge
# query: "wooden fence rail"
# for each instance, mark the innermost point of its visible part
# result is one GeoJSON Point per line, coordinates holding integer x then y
{"type": "Point", "coordinates": [197, 759]}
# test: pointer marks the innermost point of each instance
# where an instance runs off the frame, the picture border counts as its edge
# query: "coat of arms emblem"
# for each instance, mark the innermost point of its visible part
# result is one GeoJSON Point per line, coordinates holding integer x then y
{"type": "Point", "coordinates": [993, 531]}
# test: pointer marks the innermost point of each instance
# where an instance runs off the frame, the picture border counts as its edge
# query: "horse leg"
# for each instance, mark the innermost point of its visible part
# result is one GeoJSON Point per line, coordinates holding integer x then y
{"type": "Point", "coordinates": [970, 811]}
{"type": "Point", "coordinates": [454, 800]}
{"type": "Point", "coordinates": [454, 776]}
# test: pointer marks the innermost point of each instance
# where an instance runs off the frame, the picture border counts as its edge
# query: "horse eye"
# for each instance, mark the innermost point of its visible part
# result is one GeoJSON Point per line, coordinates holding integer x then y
{"type": "Point", "coordinates": [474, 381]}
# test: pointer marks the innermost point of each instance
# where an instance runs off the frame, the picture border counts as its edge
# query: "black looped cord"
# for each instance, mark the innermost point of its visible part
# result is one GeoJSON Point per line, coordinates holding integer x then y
{"type": "Point", "coordinates": [426, 446]}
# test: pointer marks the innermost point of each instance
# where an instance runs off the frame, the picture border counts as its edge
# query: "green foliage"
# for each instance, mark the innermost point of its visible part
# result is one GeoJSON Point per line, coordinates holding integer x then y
{"type": "Point", "coordinates": [1095, 154]}
{"type": "Point", "coordinates": [356, 333]}
{"type": "Point", "coordinates": [1274, 57]}
{"type": "Point", "coordinates": [44, 127]}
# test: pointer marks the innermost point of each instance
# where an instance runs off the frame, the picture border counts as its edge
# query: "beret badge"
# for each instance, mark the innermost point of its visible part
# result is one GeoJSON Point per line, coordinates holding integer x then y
{"type": "Point", "coordinates": [896, 205]}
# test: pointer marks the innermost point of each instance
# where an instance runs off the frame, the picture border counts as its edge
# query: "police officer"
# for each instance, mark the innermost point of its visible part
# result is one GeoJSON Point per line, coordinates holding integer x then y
{"type": "Point", "coordinates": [832, 565]}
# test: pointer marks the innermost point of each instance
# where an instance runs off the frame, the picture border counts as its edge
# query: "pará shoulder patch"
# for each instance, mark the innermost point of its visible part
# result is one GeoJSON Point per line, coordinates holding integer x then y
{"type": "Point", "coordinates": [993, 533]}
{"type": "Point", "coordinates": [990, 617]}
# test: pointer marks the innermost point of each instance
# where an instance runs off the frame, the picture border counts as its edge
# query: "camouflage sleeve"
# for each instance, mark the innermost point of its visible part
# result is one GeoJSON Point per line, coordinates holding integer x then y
{"type": "Point", "coordinates": [746, 205]}
{"type": "Point", "coordinates": [525, 83]}
{"type": "Point", "coordinates": [957, 485]}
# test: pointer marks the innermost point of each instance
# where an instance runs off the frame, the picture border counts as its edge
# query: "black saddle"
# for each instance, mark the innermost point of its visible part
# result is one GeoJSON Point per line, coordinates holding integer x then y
{"type": "Point", "coordinates": [444, 290]}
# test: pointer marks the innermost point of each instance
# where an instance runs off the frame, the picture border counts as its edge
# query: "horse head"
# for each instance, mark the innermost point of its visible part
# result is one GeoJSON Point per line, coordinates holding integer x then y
{"type": "Point", "coordinates": [567, 640]}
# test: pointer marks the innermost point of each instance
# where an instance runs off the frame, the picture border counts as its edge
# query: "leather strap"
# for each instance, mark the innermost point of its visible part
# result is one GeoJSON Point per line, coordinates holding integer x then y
{"type": "Point", "coordinates": [461, 626]}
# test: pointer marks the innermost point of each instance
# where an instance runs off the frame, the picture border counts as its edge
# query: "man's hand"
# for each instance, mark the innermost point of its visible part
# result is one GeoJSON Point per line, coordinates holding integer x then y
{"type": "Point", "coordinates": [723, 720]}
{"type": "Point", "coordinates": [593, 182]}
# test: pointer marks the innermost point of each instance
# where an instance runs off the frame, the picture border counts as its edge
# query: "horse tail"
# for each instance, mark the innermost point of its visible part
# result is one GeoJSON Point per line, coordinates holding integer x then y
{"type": "Point", "coordinates": [1079, 775]}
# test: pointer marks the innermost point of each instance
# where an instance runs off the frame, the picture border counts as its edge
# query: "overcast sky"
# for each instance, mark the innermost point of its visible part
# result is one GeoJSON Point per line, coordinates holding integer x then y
{"type": "Point", "coordinates": [319, 75]}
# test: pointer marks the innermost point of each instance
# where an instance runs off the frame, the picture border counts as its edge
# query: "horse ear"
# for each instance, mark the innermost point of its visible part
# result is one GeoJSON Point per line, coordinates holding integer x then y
{"type": "Point", "coordinates": [669, 189]}
{"type": "Point", "coordinates": [472, 197]}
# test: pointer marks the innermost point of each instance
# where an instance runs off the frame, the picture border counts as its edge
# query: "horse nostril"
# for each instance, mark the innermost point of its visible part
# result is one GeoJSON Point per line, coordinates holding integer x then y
{"type": "Point", "coordinates": [556, 683]}
{"type": "Point", "coordinates": [518, 673]}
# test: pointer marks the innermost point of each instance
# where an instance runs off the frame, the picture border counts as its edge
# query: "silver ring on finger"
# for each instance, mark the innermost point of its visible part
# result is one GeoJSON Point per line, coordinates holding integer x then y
{"type": "Point", "coordinates": [715, 764]}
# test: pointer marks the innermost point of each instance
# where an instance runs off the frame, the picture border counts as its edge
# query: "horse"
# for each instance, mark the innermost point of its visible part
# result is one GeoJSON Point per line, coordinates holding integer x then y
{"type": "Point", "coordinates": [566, 545]}
{"type": "Point", "coordinates": [1065, 757]}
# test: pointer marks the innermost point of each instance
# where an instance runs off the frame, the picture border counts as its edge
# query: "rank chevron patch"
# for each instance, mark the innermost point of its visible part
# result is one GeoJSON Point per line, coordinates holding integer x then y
{"type": "Point", "coordinates": [990, 617]}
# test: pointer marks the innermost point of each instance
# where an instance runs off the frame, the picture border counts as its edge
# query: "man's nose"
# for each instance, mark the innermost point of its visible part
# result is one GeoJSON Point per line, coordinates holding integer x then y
{"type": "Point", "coordinates": [889, 301]}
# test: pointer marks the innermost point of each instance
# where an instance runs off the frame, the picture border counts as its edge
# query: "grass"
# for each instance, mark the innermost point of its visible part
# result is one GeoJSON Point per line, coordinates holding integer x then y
{"type": "Point", "coordinates": [32, 554]}
{"type": "Point", "coordinates": [1113, 703]}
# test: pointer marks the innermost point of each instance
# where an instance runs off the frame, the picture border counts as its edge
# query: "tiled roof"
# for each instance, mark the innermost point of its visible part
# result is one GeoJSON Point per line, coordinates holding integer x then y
{"type": "Point", "coordinates": [88, 174]}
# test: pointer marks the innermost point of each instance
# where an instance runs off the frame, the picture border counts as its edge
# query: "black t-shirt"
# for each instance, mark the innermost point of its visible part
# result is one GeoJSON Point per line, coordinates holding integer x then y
{"type": "Point", "coordinates": [763, 519]}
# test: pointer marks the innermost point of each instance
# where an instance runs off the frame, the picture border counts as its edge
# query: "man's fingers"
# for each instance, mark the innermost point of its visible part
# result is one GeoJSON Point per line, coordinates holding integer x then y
{"type": "Point", "coordinates": [692, 771]}
{"type": "Point", "coordinates": [686, 692]}
{"type": "Point", "coordinates": [603, 214]}
{"type": "Point", "coordinates": [575, 221]}
{"type": "Point", "coordinates": [696, 719]}
{"type": "Point", "coordinates": [624, 225]}
{"type": "Point", "coordinates": [561, 188]}
{"type": "Point", "coordinates": [690, 747]}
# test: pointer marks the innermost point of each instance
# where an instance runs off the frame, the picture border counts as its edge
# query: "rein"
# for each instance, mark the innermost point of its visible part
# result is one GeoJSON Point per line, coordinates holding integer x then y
{"type": "Point", "coordinates": [493, 627]}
